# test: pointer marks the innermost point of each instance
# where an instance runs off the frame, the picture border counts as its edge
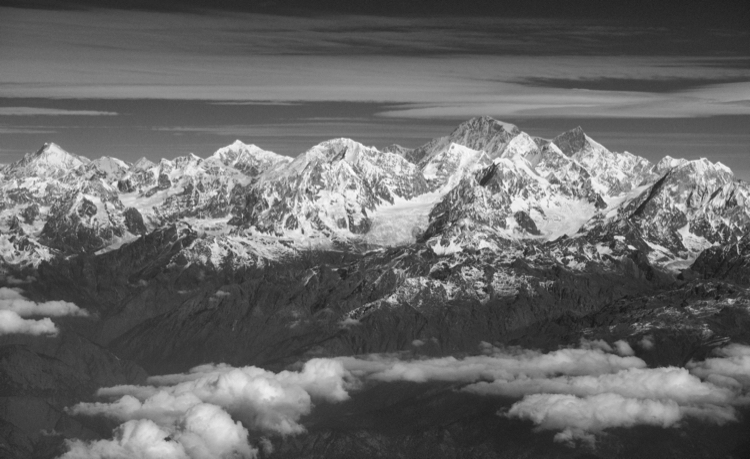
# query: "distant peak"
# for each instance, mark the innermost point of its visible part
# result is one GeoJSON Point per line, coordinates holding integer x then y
{"type": "Point", "coordinates": [340, 141]}
{"type": "Point", "coordinates": [54, 153]}
{"type": "Point", "coordinates": [575, 132]}
{"type": "Point", "coordinates": [237, 147]}
{"type": "Point", "coordinates": [395, 148]}
{"type": "Point", "coordinates": [484, 122]}
{"type": "Point", "coordinates": [335, 145]}
{"type": "Point", "coordinates": [143, 163]}
{"type": "Point", "coordinates": [337, 149]}
{"type": "Point", "coordinates": [572, 141]}
{"type": "Point", "coordinates": [697, 166]}
{"type": "Point", "coordinates": [240, 145]}
{"type": "Point", "coordinates": [51, 147]}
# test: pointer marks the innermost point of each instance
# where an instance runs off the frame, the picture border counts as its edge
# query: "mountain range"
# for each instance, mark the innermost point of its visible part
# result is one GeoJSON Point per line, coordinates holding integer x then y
{"type": "Point", "coordinates": [487, 236]}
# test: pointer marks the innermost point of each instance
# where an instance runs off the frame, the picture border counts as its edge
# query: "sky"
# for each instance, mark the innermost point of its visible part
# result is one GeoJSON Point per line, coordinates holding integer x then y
{"type": "Point", "coordinates": [132, 79]}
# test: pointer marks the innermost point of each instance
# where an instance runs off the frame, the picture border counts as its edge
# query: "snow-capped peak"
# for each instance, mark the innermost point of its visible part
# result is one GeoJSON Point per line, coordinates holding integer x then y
{"type": "Point", "coordinates": [722, 166]}
{"type": "Point", "coordinates": [238, 144]}
{"type": "Point", "coordinates": [249, 158]}
{"type": "Point", "coordinates": [53, 155]}
{"type": "Point", "coordinates": [484, 124]}
{"type": "Point", "coordinates": [613, 173]}
{"type": "Point", "coordinates": [143, 164]}
{"type": "Point", "coordinates": [234, 148]}
{"type": "Point", "coordinates": [51, 159]}
{"type": "Point", "coordinates": [52, 148]}
{"type": "Point", "coordinates": [337, 149]}
{"type": "Point", "coordinates": [110, 165]}
{"type": "Point", "coordinates": [572, 141]}
{"type": "Point", "coordinates": [479, 134]}
{"type": "Point", "coordinates": [484, 133]}
{"type": "Point", "coordinates": [522, 145]}
{"type": "Point", "coordinates": [700, 166]}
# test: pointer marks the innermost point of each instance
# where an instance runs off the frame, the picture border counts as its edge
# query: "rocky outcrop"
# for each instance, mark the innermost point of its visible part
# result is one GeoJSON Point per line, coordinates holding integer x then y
{"type": "Point", "coordinates": [40, 378]}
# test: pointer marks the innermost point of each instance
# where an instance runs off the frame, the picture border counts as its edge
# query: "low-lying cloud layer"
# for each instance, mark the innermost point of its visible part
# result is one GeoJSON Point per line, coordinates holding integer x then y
{"type": "Point", "coordinates": [578, 392]}
{"type": "Point", "coordinates": [731, 367]}
{"type": "Point", "coordinates": [581, 392]}
{"type": "Point", "coordinates": [191, 415]}
{"type": "Point", "coordinates": [494, 365]}
{"type": "Point", "coordinates": [14, 308]}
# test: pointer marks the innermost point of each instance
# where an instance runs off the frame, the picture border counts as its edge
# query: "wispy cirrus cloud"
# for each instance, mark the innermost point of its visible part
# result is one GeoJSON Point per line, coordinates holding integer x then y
{"type": "Point", "coordinates": [635, 84]}
{"type": "Point", "coordinates": [39, 111]}
{"type": "Point", "coordinates": [436, 66]}
{"type": "Point", "coordinates": [415, 69]}
{"type": "Point", "coordinates": [25, 130]}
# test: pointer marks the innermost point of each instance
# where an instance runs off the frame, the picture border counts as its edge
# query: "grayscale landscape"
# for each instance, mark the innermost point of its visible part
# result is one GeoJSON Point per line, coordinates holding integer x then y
{"type": "Point", "coordinates": [374, 230]}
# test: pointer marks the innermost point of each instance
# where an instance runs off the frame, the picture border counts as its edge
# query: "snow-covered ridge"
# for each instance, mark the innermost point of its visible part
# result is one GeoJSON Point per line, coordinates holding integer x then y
{"type": "Point", "coordinates": [484, 182]}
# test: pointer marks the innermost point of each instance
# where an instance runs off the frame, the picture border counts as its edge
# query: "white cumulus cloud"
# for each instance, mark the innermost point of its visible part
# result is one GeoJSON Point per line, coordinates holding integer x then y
{"type": "Point", "coordinates": [732, 366]}
{"type": "Point", "coordinates": [205, 412]}
{"type": "Point", "coordinates": [581, 392]}
{"type": "Point", "coordinates": [204, 431]}
{"type": "Point", "coordinates": [647, 342]}
{"type": "Point", "coordinates": [670, 383]}
{"type": "Point", "coordinates": [12, 300]}
{"type": "Point", "coordinates": [579, 417]}
{"type": "Point", "coordinates": [622, 347]}
{"type": "Point", "coordinates": [11, 322]}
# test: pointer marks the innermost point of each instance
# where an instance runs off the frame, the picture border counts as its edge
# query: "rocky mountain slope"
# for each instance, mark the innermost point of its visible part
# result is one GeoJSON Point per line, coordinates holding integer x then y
{"type": "Point", "coordinates": [484, 244]}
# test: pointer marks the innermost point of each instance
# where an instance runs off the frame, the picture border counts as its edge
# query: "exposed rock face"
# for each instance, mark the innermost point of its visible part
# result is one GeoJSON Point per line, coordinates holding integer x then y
{"type": "Point", "coordinates": [572, 142]}
{"type": "Point", "coordinates": [481, 134]}
{"type": "Point", "coordinates": [134, 221]}
{"type": "Point", "coordinates": [730, 262]}
{"type": "Point", "coordinates": [30, 213]}
{"type": "Point", "coordinates": [40, 378]}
